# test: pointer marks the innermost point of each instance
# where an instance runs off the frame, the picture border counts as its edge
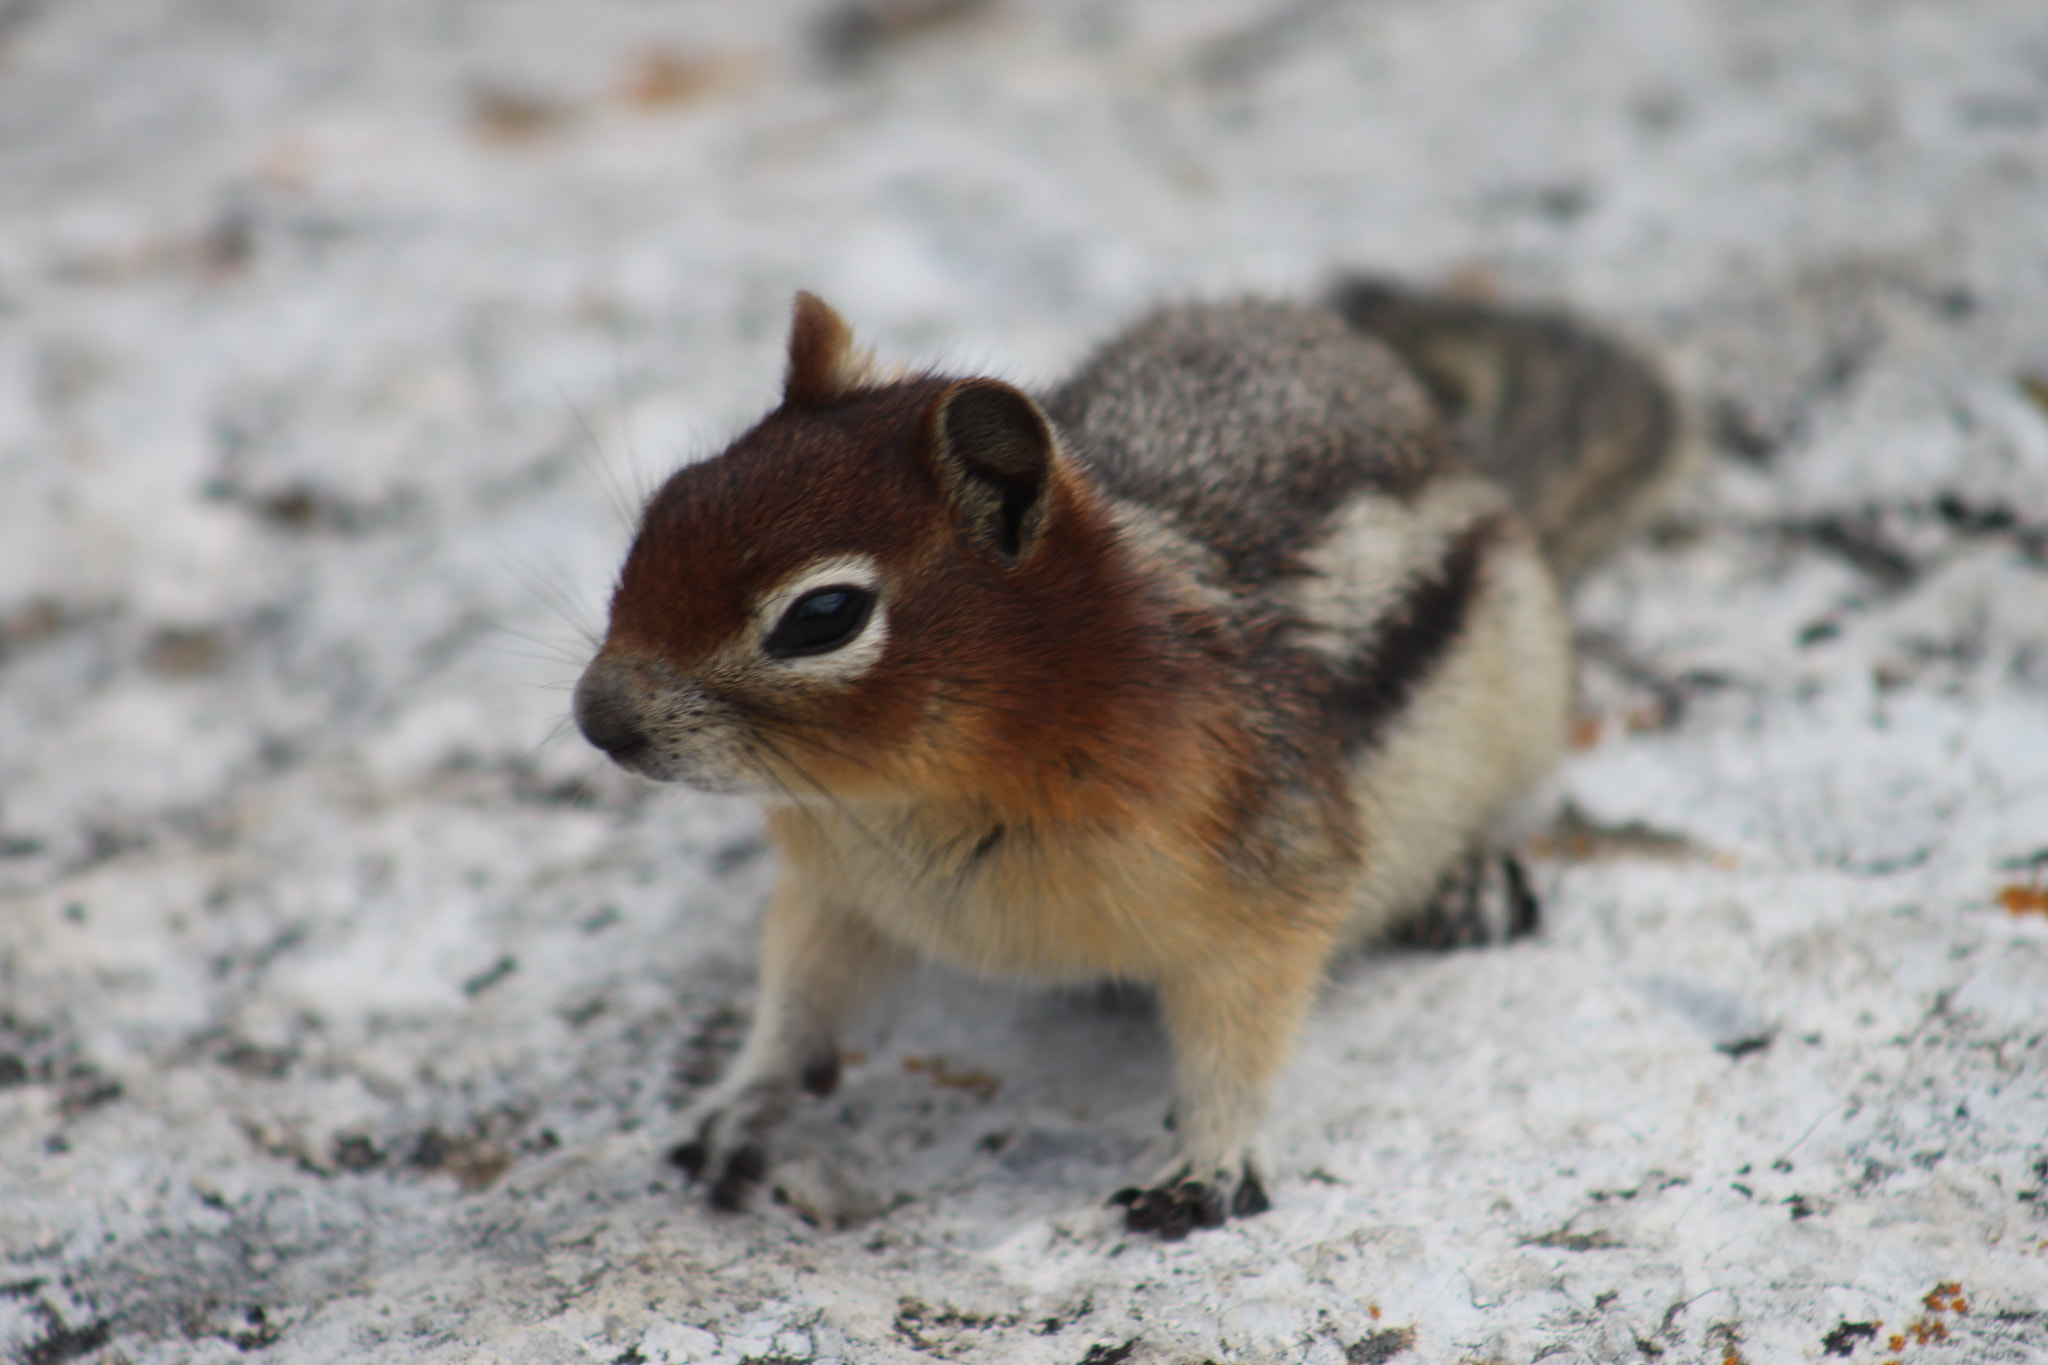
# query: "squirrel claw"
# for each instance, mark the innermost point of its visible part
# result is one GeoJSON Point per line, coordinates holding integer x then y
{"type": "Point", "coordinates": [741, 1171]}
{"type": "Point", "coordinates": [1180, 1204]}
{"type": "Point", "coordinates": [689, 1157]}
{"type": "Point", "coordinates": [1250, 1198]}
{"type": "Point", "coordinates": [1173, 1209]}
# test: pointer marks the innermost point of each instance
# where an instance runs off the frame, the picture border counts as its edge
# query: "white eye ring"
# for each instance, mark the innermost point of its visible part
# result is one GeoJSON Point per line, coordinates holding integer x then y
{"type": "Point", "coordinates": [847, 661]}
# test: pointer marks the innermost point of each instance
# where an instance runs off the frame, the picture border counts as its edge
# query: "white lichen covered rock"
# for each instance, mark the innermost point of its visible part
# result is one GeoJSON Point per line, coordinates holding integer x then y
{"type": "Point", "coordinates": [347, 1001]}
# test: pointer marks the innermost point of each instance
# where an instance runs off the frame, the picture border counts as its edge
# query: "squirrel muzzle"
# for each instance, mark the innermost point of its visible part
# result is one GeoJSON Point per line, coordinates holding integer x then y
{"type": "Point", "coordinates": [659, 725]}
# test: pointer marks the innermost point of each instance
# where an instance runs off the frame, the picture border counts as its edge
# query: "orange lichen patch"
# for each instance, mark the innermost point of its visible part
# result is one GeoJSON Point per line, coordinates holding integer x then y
{"type": "Point", "coordinates": [662, 78]}
{"type": "Point", "coordinates": [1946, 1297]}
{"type": "Point", "coordinates": [1374, 1310]}
{"type": "Point", "coordinates": [1589, 730]}
{"type": "Point", "coordinates": [502, 114]}
{"type": "Point", "coordinates": [2023, 900]}
{"type": "Point", "coordinates": [979, 1084]}
{"type": "Point", "coordinates": [1727, 1337]}
{"type": "Point", "coordinates": [1920, 1332]}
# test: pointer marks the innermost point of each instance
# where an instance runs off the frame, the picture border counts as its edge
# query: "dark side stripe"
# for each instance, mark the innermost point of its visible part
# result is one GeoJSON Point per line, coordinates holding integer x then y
{"type": "Point", "coordinates": [1412, 639]}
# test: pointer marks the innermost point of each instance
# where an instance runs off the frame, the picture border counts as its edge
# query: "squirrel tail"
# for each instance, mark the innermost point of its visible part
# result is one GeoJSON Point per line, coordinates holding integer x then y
{"type": "Point", "coordinates": [1582, 431]}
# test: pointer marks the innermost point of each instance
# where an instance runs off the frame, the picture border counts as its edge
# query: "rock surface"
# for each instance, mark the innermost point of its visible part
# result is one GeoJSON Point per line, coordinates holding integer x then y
{"type": "Point", "coordinates": [347, 1001]}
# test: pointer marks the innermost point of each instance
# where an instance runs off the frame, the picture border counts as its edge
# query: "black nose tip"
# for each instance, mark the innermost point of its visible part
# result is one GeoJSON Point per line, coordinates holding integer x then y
{"type": "Point", "coordinates": [605, 712]}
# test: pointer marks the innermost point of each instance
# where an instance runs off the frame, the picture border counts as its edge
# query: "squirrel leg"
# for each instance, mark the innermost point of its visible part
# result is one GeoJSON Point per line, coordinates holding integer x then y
{"type": "Point", "coordinates": [1232, 1024]}
{"type": "Point", "coordinates": [818, 962]}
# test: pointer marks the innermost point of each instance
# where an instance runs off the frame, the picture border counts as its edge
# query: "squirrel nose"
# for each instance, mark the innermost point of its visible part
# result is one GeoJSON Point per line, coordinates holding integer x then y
{"type": "Point", "coordinates": [605, 712]}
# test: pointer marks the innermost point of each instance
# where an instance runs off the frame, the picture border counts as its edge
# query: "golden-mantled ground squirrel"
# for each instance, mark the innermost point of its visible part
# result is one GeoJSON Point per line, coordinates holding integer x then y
{"type": "Point", "coordinates": [1224, 654]}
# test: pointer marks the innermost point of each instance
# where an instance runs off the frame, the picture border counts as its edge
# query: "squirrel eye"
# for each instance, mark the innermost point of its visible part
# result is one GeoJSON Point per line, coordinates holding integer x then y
{"type": "Point", "coordinates": [819, 622]}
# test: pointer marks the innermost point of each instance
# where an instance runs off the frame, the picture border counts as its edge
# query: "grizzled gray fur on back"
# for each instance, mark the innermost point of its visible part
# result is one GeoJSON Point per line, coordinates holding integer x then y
{"type": "Point", "coordinates": [1250, 423]}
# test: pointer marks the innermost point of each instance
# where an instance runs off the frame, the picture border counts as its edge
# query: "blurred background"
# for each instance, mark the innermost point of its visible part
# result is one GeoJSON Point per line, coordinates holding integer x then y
{"type": "Point", "coordinates": [345, 994]}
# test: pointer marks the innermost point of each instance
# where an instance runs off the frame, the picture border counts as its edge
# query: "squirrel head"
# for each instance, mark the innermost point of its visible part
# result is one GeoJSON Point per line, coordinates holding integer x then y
{"type": "Point", "coordinates": [883, 588]}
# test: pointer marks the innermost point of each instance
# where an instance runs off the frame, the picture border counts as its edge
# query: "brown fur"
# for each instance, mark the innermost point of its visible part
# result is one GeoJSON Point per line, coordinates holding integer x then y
{"type": "Point", "coordinates": [823, 364]}
{"type": "Point", "coordinates": [1216, 660]}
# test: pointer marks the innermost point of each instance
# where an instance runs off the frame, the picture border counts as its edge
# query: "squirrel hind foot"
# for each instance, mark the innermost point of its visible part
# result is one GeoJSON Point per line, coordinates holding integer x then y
{"type": "Point", "coordinates": [1485, 899]}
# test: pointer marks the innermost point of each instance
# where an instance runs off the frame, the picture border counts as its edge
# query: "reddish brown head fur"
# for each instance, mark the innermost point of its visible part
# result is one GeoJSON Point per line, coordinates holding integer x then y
{"type": "Point", "coordinates": [1026, 659]}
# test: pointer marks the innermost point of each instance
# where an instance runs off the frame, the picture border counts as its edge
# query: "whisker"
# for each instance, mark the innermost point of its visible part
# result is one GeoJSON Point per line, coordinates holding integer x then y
{"type": "Point", "coordinates": [548, 590]}
{"type": "Point", "coordinates": [554, 733]}
{"type": "Point", "coordinates": [845, 812]}
{"type": "Point", "coordinates": [617, 496]}
{"type": "Point", "coordinates": [545, 651]}
{"type": "Point", "coordinates": [640, 477]}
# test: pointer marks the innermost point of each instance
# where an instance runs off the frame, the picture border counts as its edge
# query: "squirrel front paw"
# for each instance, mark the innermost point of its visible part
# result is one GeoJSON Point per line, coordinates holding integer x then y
{"type": "Point", "coordinates": [1179, 1203]}
{"type": "Point", "coordinates": [731, 1168]}
{"type": "Point", "coordinates": [729, 1151]}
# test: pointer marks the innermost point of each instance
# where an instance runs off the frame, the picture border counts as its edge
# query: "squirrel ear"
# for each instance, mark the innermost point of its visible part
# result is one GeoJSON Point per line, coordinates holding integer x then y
{"type": "Point", "coordinates": [823, 364]}
{"type": "Point", "coordinates": [993, 451]}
